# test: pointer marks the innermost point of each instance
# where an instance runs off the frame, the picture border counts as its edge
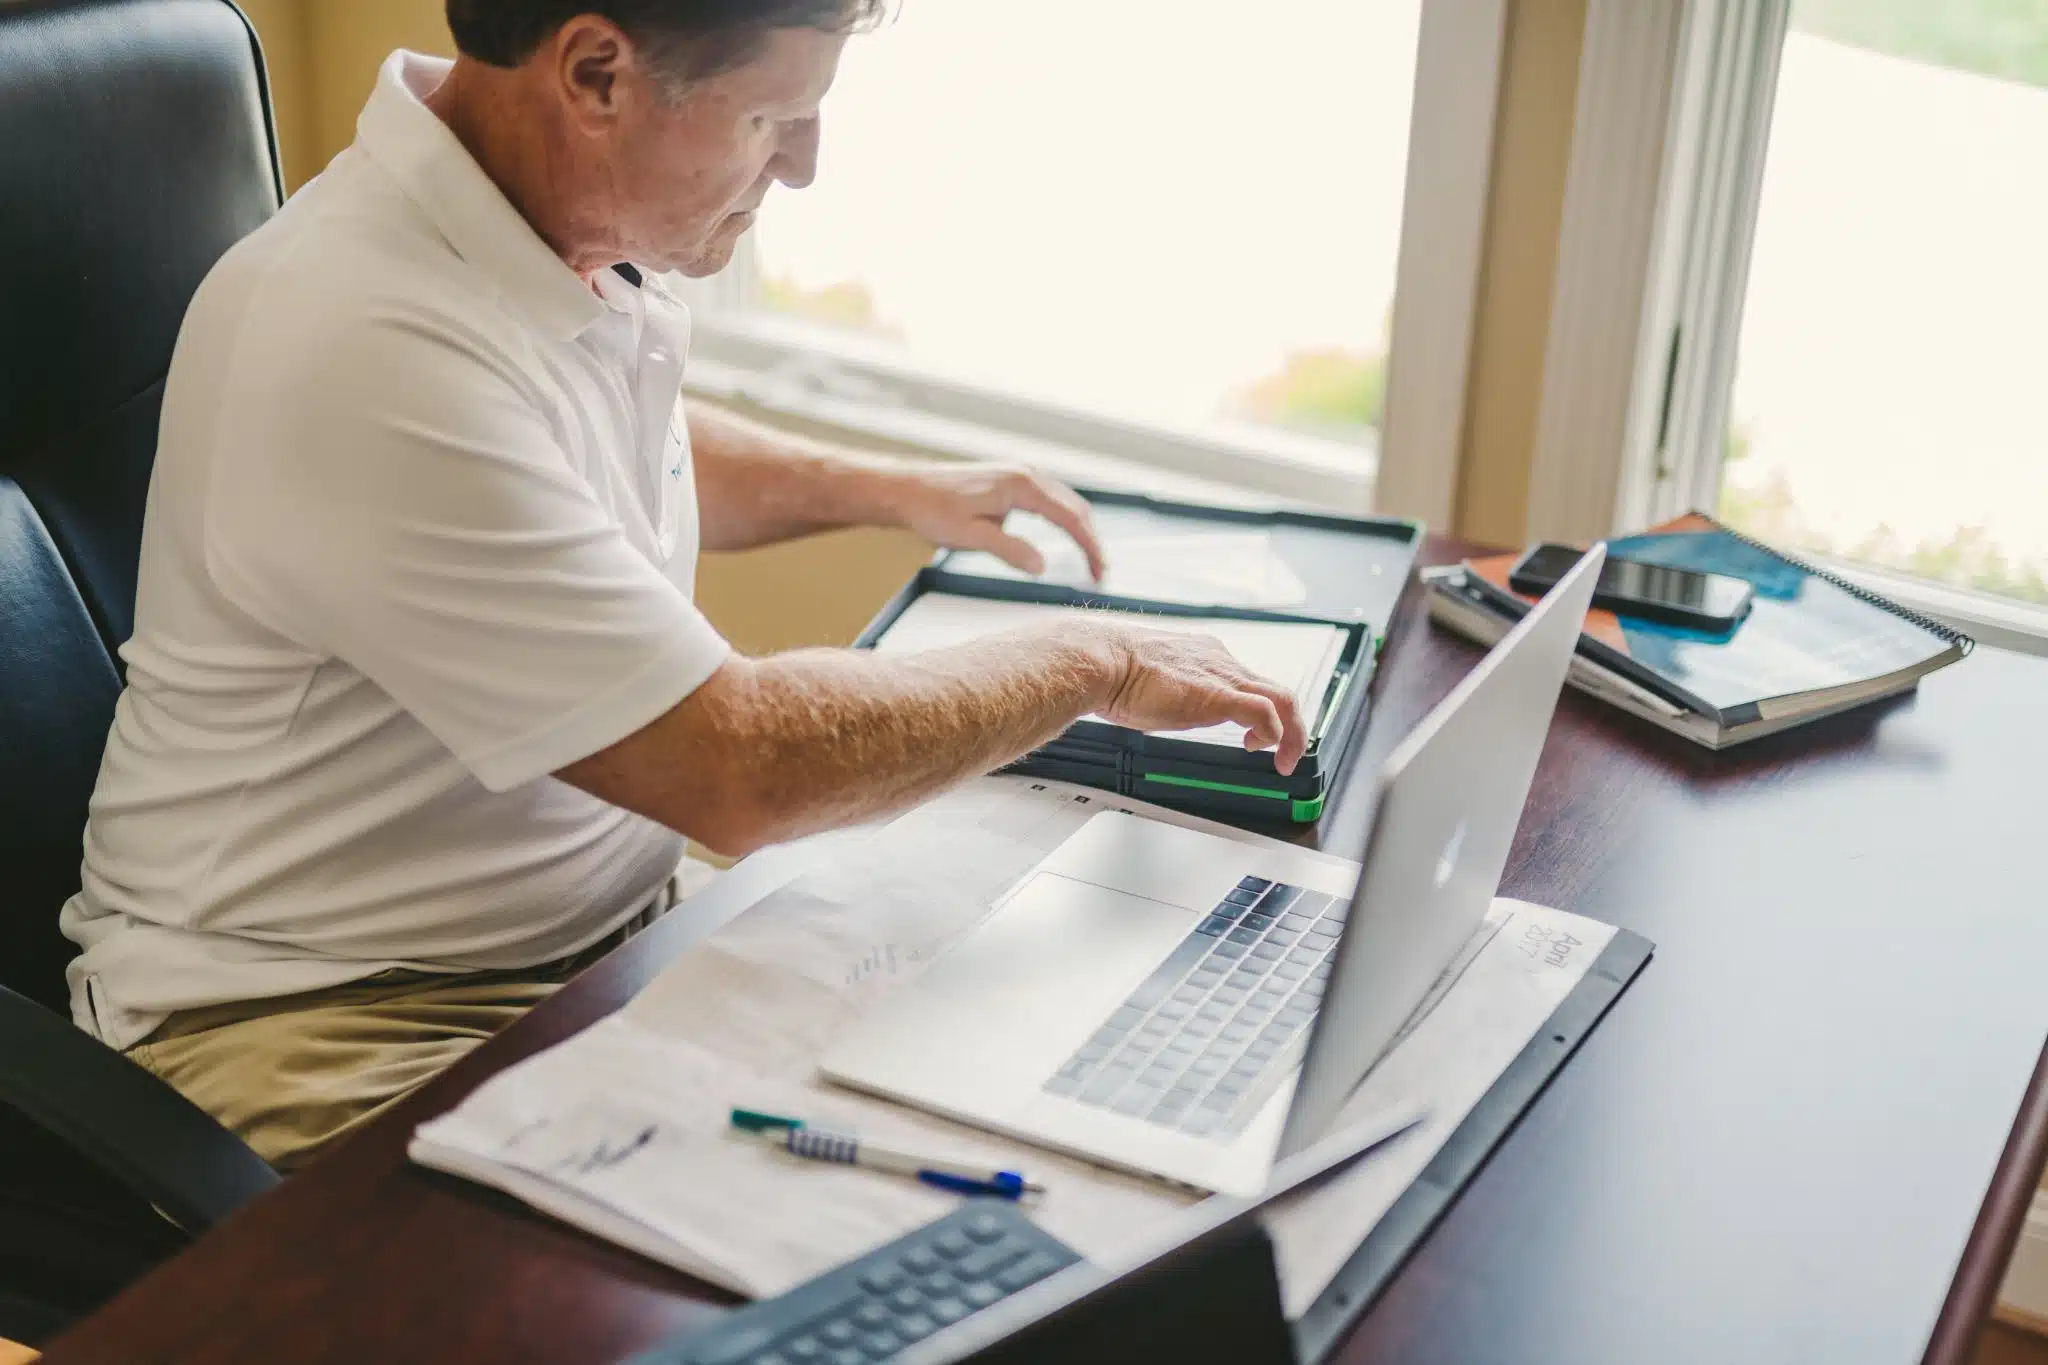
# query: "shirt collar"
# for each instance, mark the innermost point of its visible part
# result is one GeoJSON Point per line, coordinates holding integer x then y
{"type": "Point", "coordinates": [437, 172]}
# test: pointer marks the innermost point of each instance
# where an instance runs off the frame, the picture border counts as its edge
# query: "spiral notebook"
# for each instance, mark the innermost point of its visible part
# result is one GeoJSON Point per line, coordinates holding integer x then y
{"type": "Point", "coordinates": [1813, 643]}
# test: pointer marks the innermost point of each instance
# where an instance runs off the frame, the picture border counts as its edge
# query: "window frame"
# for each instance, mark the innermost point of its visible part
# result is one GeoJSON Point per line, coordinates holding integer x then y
{"type": "Point", "coordinates": [1671, 131]}
{"type": "Point", "coordinates": [844, 384]}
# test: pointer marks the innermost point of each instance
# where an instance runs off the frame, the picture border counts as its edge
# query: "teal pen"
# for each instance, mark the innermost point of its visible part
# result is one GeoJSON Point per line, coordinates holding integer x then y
{"type": "Point", "coordinates": [819, 1144]}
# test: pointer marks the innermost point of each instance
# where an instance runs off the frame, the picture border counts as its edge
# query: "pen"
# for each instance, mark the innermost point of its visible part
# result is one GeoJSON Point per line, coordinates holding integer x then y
{"type": "Point", "coordinates": [819, 1144]}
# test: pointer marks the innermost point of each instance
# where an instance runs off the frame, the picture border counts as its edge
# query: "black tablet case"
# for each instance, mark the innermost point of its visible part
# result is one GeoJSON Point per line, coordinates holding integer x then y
{"type": "Point", "coordinates": [1354, 568]}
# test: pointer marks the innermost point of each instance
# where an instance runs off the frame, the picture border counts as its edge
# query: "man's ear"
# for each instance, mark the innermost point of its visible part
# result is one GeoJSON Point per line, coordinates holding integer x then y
{"type": "Point", "coordinates": [588, 59]}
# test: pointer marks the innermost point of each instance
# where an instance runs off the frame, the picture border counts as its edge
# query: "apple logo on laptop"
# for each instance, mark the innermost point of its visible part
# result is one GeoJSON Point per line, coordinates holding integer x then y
{"type": "Point", "coordinates": [1448, 863]}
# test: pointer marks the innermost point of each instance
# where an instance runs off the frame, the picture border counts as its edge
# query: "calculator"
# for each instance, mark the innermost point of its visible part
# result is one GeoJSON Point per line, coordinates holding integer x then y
{"type": "Point", "coordinates": [876, 1305]}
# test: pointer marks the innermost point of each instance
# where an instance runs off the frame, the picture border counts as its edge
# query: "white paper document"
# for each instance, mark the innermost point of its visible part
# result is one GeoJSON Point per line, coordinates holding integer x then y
{"type": "Point", "coordinates": [623, 1130]}
{"type": "Point", "coordinates": [1301, 656]}
{"type": "Point", "coordinates": [1202, 568]}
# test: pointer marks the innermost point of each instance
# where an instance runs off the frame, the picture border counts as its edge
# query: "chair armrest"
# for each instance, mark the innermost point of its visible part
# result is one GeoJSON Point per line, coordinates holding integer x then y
{"type": "Point", "coordinates": [138, 1130]}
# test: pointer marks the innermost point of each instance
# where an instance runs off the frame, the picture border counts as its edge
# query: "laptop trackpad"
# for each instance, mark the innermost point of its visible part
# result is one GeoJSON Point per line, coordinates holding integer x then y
{"type": "Point", "coordinates": [1012, 1000]}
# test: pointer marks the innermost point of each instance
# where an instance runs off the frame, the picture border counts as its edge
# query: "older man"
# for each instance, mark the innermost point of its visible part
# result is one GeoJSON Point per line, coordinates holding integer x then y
{"type": "Point", "coordinates": [419, 711]}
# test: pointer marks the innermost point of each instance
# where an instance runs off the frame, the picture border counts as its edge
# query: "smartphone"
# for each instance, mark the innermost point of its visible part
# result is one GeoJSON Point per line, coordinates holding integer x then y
{"type": "Point", "coordinates": [1628, 587]}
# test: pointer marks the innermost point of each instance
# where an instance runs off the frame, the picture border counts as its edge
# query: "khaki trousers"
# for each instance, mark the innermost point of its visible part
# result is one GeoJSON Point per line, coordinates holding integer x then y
{"type": "Point", "coordinates": [294, 1075]}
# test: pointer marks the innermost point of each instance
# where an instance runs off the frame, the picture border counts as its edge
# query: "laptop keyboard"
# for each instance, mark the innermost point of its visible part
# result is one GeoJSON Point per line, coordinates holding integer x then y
{"type": "Point", "coordinates": [1202, 1043]}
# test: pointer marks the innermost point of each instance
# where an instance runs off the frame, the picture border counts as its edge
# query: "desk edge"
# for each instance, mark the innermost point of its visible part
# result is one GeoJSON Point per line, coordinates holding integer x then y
{"type": "Point", "coordinates": [2003, 1213]}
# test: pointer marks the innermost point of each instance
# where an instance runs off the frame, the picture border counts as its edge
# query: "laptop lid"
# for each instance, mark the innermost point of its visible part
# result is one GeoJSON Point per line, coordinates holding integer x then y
{"type": "Point", "coordinates": [1445, 808]}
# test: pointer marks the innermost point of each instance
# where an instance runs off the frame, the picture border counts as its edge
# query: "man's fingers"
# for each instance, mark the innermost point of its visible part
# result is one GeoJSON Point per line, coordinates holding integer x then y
{"type": "Point", "coordinates": [1293, 741]}
{"type": "Point", "coordinates": [983, 534]}
{"type": "Point", "coordinates": [1259, 717]}
{"type": "Point", "coordinates": [1066, 509]}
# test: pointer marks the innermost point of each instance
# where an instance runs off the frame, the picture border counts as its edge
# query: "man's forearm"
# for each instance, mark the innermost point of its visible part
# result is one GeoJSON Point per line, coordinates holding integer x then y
{"type": "Point", "coordinates": [757, 486]}
{"type": "Point", "coordinates": [771, 749]}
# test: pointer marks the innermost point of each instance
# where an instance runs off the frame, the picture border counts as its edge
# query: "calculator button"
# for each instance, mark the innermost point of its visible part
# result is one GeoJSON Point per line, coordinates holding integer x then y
{"type": "Point", "coordinates": [871, 1315]}
{"type": "Point", "coordinates": [987, 1261]}
{"type": "Point", "coordinates": [1030, 1270]}
{"type": "Point", "coordinates": [920, 1261]}
{"type": "Point", "coordinates": [980, 1295]}
{"type": "Point", "coordinates": [952, 1243]}
{"type": "Point", "coordinates": [804, 1349]}
{"type": "Point", "coordinates": [879, 1345]}
{"type": "Point", "coordinates": [839, 1333]}
{"type": "Point", "coordinates": [881, 1279]}
{"type": "Point", "coordinates": [941, 1283]}
{"type": "Point", "coordinates": [906, 1298]}
{"type": "Point", "coordinates": [772, 1358]}
{"type": "Point", "coordinates": [915, 1327]}
{"type": "Point", "coordinates": [851, 1355]}
{"type": "Point", "coordinates": [947, 1310]}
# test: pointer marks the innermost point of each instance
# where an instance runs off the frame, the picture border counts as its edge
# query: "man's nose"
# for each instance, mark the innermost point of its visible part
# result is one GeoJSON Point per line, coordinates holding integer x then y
{"type": "Point", "coordinates": [796, 158]}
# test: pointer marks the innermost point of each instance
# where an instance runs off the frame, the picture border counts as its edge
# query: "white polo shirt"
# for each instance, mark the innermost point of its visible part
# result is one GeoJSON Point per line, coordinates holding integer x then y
{"type": "Point", "coordinates": [422, 530]}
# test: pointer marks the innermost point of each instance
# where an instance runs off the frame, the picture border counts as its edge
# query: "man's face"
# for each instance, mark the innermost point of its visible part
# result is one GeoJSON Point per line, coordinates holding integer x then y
{"type": "Point", "coordinates": [683, 172]}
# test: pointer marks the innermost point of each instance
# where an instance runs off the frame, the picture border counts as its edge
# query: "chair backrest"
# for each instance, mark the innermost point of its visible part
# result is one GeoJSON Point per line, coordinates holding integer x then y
{"type": "Point", "coordinates": [135, 147]}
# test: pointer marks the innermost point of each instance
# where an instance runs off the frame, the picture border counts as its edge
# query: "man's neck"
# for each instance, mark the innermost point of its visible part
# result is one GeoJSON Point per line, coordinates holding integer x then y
{"type": "Point", "coordinates": [483, 108]}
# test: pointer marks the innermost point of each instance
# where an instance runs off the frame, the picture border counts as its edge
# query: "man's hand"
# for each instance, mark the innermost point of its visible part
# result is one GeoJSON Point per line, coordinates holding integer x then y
{"type": "Point", "coordinates": [1165, 681]}
{"type": "Point", "coordinates": [961, 507]}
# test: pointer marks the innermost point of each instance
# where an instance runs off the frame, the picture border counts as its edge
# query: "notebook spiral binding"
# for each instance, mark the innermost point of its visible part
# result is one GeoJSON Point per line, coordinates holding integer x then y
{"type": "Point", "coordinates": [1936, 628]}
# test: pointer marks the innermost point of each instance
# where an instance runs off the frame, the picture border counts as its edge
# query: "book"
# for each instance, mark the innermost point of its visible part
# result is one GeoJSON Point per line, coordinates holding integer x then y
{"type": "Point", "coordinates": [1812, 645]}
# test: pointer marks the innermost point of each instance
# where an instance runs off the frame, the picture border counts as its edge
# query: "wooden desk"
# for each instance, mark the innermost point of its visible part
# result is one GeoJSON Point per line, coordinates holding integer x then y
{"type": "Point", "coordinates": [1806, 1134]}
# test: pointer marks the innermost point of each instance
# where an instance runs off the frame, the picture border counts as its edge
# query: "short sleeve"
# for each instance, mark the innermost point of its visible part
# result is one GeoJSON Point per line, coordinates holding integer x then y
{"type": "Point", "coordinates": [393, 496]}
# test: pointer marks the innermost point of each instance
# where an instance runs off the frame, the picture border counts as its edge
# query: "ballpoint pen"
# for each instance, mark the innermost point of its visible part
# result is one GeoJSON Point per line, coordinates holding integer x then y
{"type": "Point", "coordinates": [820, 1144]}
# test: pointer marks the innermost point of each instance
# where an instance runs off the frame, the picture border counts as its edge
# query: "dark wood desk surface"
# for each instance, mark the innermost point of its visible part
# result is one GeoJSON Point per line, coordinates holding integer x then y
{"type": "Point", "coordinates": [1806, 1134]}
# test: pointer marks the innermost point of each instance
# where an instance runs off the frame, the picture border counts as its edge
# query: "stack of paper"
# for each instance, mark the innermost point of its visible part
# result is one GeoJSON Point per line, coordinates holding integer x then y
{"type": "Point", "coordinates": [622, 1130]}
{"type": "Point", "coordinates": [1301, 656]}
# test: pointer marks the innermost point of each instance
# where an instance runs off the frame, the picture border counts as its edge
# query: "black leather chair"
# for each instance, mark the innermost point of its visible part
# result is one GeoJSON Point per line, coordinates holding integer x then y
{"type": "Point", "coordinates": [135, 147]}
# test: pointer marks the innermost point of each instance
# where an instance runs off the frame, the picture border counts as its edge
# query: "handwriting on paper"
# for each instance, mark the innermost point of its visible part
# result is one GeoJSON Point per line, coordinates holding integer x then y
{"type": "Point", "coordinates": [883, 962]}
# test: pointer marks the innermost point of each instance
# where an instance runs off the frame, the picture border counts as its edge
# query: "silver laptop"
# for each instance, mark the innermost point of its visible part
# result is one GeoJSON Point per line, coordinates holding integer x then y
{"type": "Point", "coordinates": [1192, 1008]}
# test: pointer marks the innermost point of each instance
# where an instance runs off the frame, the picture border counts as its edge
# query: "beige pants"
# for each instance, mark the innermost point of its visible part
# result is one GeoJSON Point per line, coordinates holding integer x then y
{"type": "Point", "coordinates": [295, 1074]}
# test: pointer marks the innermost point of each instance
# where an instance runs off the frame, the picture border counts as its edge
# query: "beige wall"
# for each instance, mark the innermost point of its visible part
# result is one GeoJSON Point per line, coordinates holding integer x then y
{"type": "Point", "coordinates": [281, 26]}
{"type": "Point", "coordinates": [323, 57]}
{"type": "Point", "coordinates": [1532, 150]}
{"type": "Point", "coordinates": [349, 40]}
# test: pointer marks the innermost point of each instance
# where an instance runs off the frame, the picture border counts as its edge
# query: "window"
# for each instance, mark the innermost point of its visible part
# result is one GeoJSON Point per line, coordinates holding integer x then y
{"type": "Point", "coordinates": [1138, 216]}
{"type": "Point", "coordinates": [1887, 404]}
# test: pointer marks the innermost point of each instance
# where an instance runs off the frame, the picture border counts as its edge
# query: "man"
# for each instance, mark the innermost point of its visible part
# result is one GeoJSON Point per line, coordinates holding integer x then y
{"type": "Point", "coordinates": [419, 711]}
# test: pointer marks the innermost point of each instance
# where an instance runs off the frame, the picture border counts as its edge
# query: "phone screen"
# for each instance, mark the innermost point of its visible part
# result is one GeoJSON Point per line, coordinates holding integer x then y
{"type": "Point", "coordinates": [1703, 594]}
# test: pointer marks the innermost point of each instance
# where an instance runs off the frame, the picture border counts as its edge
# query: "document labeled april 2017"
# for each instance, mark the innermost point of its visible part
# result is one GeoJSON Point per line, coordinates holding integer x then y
{"type": "Point", "coordinates": [625, 1130]}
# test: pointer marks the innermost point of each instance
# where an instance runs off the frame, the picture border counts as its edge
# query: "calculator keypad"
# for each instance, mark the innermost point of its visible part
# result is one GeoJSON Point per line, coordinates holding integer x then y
{"type": "Point", "coordinates": [871, 1309]}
